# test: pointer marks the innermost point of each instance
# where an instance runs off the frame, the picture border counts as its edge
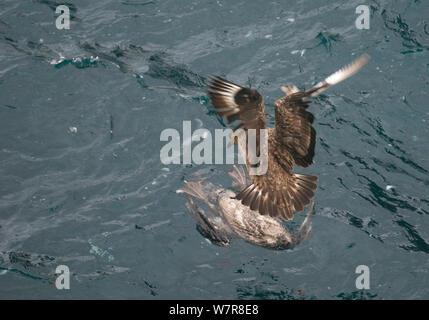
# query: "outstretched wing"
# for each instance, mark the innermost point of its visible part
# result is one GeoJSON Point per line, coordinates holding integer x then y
{"type": "Point", "coordinates": [237, 103]}
{"type": "Point", "coordinates": [294, 130]}
{"type": "Point", "coordinates": [280, 192]}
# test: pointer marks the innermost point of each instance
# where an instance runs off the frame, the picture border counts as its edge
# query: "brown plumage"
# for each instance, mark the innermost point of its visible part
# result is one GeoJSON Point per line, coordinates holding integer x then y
{"type": "Point", "coordinates": [278, 192]}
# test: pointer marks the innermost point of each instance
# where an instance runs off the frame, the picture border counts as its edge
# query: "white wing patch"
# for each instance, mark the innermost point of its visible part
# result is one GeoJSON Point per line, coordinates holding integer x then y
{"type": "Point", "coordinates": [348, 70]}
{"type": "Point", "coordinates": [341, 74]}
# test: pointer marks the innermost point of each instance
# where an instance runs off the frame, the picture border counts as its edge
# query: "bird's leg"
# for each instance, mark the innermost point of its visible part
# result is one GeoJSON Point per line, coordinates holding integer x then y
{"type": "Point", "coordinates": [289, 89]}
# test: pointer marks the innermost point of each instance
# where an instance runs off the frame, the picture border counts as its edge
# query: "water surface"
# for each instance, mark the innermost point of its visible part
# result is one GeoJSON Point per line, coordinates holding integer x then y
{"type": "Point", "coordinates": [72, 192]}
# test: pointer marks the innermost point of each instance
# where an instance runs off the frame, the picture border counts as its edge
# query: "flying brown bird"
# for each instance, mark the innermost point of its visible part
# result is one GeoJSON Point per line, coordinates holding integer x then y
{"type": "Point", "coordinates": [278, 192]}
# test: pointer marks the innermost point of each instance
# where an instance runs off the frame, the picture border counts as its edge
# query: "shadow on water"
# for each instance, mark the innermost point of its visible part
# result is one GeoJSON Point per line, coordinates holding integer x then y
{"type": "Point", "coordinates": [409, 37]}
{"type": "Point", "coordinates": [418, 243]}
{"type": "Point", "coordinates": [28, 265]}
{"type": "Point", "coordinates": [159, 65]}
{"type": "Point", "coordinates": [349, 218]}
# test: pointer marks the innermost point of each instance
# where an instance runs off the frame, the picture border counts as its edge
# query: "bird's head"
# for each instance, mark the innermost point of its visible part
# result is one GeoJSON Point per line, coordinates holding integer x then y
{"type": "Point", "coordinates": [246, 95]}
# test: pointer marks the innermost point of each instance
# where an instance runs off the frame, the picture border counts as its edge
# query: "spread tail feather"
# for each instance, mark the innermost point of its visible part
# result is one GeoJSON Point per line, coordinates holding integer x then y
{"type": "Point", "coordinates": [294, 198]}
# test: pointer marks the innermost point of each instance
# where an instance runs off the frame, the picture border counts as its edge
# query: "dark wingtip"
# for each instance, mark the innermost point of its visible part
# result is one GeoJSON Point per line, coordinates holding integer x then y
{"type": "Point", "coordinates": [211, 79]}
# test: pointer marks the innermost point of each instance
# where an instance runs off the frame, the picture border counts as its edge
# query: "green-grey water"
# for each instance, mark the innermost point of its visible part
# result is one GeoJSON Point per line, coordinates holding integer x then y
{"type": "Point", "coordinates": [82, 184]}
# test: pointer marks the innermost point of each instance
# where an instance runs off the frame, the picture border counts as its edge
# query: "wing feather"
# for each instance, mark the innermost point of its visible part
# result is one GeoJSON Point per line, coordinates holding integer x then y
{"type": "Point", "coordinates": [237, 103]}
{"type": "Point", "coordinates": [294, 129]}
{"type": "Point", "coordinates": [279, 192]}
